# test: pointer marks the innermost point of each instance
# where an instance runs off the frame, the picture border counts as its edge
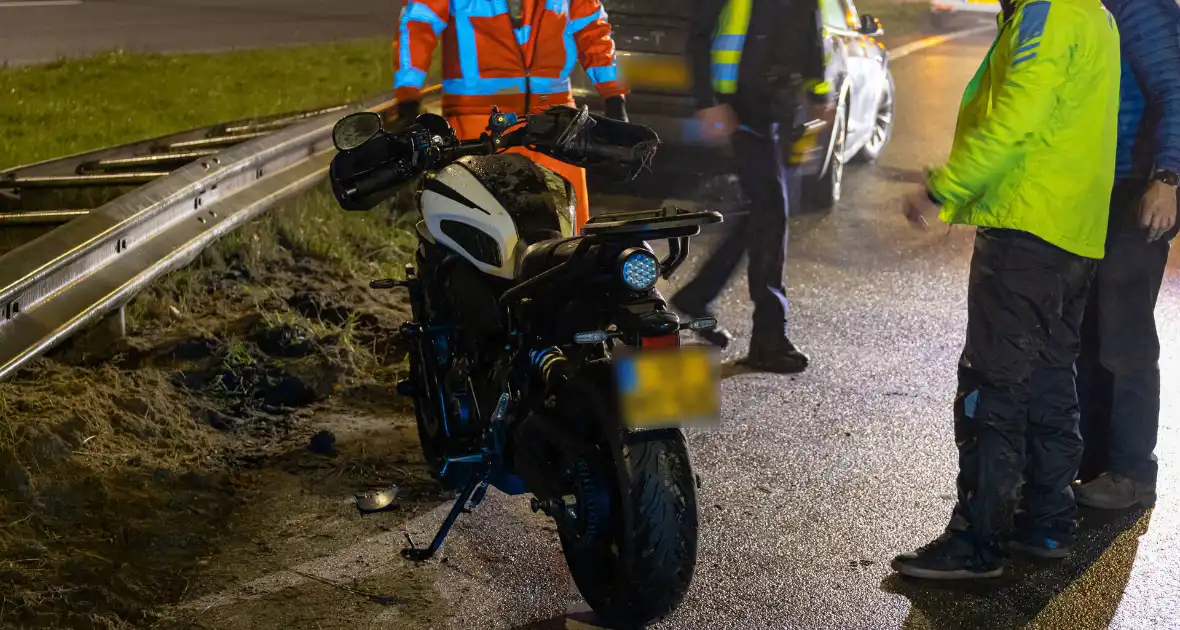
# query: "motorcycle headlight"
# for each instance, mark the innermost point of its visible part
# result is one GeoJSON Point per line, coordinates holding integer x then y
{"type": "Point", "coordinates": [640, 269]}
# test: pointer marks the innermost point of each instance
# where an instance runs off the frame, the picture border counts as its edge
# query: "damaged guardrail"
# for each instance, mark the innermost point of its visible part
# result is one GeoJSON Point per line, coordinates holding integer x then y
{"type": "Point", "coordinates": [89, 268]}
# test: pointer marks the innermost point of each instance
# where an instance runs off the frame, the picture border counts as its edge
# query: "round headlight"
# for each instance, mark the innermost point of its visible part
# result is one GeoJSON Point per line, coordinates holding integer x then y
{"type": "Point", "coordinates": [640, 269]}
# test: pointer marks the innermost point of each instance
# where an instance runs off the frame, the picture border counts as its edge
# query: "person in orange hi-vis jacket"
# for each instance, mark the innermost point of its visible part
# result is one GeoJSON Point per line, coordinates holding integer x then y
{"type": "Point", "coordinates": [516, 55]}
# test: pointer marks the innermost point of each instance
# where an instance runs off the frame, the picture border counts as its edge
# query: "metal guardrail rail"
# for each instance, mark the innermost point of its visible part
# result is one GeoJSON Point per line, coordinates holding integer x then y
{"type": "Point", "coordinates": [59, 190]}
{"type": "Point", "coordinates": [88, 268]}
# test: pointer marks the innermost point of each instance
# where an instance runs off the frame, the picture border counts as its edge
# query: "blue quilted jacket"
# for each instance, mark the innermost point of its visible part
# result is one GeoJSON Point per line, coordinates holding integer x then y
{"type": "Point", "coordinates": [1149, 113]}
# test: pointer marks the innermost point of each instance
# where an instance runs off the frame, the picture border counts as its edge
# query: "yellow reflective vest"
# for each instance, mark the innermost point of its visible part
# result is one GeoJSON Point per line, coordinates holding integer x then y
{"type": "Point", "coordinates": [728, 41]}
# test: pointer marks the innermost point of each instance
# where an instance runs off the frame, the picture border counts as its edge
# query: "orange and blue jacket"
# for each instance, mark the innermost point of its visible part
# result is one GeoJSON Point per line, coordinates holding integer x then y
{"type": "Point", "coordinates": [487, 61]}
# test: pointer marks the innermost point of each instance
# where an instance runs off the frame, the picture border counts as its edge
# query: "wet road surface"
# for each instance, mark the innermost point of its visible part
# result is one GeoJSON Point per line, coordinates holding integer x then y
{"type": "Point", "coordinates": [40, 30]}
{"type": "Point", "coordinates": [813, 483]}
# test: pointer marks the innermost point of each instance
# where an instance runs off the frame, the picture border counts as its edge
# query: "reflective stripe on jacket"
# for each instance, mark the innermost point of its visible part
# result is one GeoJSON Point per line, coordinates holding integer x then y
{"type": "Point", "coordinates": [729, 40]}
{"type": "Point", "coordinates": [732, 26]}
{"type": "Point", "coordinates": [486, 61]}
{"type": "Point", "coordinates": [1035, 141]}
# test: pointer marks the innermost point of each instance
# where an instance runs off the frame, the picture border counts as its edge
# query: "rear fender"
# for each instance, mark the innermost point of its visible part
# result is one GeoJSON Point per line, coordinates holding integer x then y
{"type": "Point", "coordinates": [646, 319]}
{"type": "Point", "coordinates": [584, 420]}
{"type": "Point", "coordinates": [538, 443]}
{"type": "Point", "coordinates": [593, 388]}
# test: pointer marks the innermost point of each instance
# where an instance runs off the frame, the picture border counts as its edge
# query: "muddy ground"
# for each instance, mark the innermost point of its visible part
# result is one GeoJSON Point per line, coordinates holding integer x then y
{"type": "Point", "coordinates": [253, 395]}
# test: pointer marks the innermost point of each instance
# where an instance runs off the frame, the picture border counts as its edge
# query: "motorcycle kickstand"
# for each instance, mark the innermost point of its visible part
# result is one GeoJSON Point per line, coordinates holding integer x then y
{"type": "Point", "coordinates": [477, 487]}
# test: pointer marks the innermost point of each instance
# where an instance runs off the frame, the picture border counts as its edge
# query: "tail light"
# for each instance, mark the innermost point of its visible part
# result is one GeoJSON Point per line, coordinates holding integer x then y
{"type": "Point", "coordinates": [661, 342]}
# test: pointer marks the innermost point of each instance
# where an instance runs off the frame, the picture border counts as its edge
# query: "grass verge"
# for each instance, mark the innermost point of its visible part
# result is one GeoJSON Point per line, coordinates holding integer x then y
{"type": "Point", "coordinates": [72, 106]}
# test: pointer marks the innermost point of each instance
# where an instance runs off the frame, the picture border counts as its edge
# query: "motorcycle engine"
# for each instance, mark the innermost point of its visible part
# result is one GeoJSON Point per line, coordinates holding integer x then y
{"type": "Point", "coordinates": [462, 407]}
{"type": "Point", "coordinates": [472, 344]}
{"type": "Point", "coordinates": [472, 299]}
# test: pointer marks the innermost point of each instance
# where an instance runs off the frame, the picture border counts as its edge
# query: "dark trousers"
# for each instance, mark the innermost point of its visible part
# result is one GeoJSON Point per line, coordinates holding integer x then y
{"type": "Point", "coordinates": [1118, 370]}
{"type": "Point", "coordinates": [1016, 411]}
{"type": "Point", "coordinates": [771, 189]}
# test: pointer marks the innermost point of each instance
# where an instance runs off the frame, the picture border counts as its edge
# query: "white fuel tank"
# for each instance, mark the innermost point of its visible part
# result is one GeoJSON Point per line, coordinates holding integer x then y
{"type": "Point", "coordinates": [489, 209]}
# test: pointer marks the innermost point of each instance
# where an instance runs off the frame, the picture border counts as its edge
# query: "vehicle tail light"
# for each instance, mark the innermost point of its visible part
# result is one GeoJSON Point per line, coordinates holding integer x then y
{"type": "Point", "coordinates": [660, 342]}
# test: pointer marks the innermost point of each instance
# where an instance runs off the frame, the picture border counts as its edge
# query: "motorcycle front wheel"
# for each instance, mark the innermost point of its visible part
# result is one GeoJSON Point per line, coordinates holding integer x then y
{"type": "Point", "coordinates": [634, 552]}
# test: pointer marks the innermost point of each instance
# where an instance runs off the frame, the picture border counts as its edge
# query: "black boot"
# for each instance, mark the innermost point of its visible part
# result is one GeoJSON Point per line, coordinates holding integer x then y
{"type": "Point", "coordinates": [951, 556]}
{"type": "Point", "coordinates": [780, 357]}
{"type": "Point", "coordinates": [718, 336]}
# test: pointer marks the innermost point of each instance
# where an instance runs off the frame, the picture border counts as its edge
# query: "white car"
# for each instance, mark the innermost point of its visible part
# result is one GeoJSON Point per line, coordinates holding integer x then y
{"type": "Point", "coordinates": [943, 13]}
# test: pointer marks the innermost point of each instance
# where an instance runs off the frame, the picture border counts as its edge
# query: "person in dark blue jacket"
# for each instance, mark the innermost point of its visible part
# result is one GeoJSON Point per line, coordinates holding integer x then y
{"type": "Point", "coordinates": [1118, 370]}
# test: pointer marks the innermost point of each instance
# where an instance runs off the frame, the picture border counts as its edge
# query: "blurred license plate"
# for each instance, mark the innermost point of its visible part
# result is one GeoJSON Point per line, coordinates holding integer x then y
{"type": "Point", "coordinates": [669, 388]}
{"type": "Point", "coordinates": [652, 72]}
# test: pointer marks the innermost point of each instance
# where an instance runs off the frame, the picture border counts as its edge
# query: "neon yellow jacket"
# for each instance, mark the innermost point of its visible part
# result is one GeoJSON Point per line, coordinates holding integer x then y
{"type": "Point", "coordinates": [1035, 141]}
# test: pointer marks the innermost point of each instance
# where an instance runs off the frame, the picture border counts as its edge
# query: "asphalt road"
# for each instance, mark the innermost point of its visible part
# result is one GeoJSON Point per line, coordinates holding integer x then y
{"type": "Point", "coordinates": [39, 30]}
{"type": "Point", "coordinates": [813, 483]}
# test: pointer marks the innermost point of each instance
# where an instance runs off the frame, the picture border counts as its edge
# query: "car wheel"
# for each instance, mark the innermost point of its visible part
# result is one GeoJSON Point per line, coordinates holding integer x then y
{"type": "Point", "coordinates": [882, 124]}
{"type": "Point", "coordinates": [824, 191]}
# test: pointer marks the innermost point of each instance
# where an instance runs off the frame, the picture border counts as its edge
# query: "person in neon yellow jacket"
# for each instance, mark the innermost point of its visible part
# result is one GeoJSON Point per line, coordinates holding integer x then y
{"type": "Point", "coordinates": [1032, 167]}
{"type": "Point", "coordinates": [1035, 141]}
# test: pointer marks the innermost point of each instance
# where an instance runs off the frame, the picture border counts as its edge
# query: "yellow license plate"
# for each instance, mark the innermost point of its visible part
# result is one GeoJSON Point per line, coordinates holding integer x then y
{"type": "Point", "coordinates": [662, 72]}
{"type": "Point", "coordinates": [669, 388]}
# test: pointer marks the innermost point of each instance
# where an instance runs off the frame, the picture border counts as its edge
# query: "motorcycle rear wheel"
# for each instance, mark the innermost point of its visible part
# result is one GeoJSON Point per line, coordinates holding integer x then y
{"type": "Point", "coordinates": [638, 569]}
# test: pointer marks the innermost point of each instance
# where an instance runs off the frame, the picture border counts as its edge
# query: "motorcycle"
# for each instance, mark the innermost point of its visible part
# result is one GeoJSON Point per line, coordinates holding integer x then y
{"type": "Point", "coordinates": [542, 361]}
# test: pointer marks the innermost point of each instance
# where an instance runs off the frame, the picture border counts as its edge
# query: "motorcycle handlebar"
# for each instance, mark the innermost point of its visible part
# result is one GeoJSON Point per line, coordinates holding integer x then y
{"type": "Point", "coordinates": [482, 146]}
{"type": "Point", "coordinates": [576, 151]}
{"type": "Point", "coordinates": [590, 151]}
{"type": "Point", "coordinates": [366, 176]}
{"type": "Point", "coordinates": [370, 173]}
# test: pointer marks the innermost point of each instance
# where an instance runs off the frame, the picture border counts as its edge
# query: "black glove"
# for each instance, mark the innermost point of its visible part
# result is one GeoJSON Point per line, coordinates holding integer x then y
{"type": "Point", "coordinates": [402, 115]}
{"type": "Point", "coordinates": [616, 108]}
{"type": "Point", "coordinates": [408, 110]}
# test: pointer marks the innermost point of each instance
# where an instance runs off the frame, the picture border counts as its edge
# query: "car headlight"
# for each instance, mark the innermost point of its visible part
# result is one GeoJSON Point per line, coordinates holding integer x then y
{"type": "Point", "coordinates": [640, 269]}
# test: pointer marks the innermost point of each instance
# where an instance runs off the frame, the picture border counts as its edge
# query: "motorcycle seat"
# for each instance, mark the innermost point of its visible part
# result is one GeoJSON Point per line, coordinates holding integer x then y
{"type": "Point", "coordinates": [540, 256]}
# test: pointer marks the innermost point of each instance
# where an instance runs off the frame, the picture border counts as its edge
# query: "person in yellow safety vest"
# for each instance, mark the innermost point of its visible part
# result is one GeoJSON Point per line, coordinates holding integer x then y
{"type": "Point", "coordinates": [758, 76]}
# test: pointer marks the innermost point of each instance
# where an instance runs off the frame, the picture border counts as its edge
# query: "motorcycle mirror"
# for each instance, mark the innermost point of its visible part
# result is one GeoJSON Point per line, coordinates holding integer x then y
{"type": "Point", "coordinates": [435, 124]}
{"type": "Point", "coordinates": [354, 130]}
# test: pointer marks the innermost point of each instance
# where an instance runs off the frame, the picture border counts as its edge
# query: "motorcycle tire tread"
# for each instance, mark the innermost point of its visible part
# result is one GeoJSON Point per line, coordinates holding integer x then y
{"type": "Point", "coordinates": [664, 564]}
{"type": "Point", "coordinates": [653, 475]}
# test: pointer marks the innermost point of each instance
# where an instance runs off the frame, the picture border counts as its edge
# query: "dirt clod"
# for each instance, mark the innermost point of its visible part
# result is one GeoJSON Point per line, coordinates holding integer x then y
{"type": "Point", "coordinates": [315, 306]}
{"type": "Point", "coordinates": [323, 443]}
{"type": "Point", "coordinates": [47, 448]}
{"type": "Point", "coordinates": [284, 341]}
{"type": "Point", "coordinates": [17, 483]}
{"type": "Point", "coordinates": [191, 349]}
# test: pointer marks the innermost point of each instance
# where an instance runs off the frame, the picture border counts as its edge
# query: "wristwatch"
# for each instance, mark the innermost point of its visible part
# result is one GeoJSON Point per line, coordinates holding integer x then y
{"type": "Point", "coordinates": [1171, 178]}
{"type": "Point", "coordinates": [933, 198]}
